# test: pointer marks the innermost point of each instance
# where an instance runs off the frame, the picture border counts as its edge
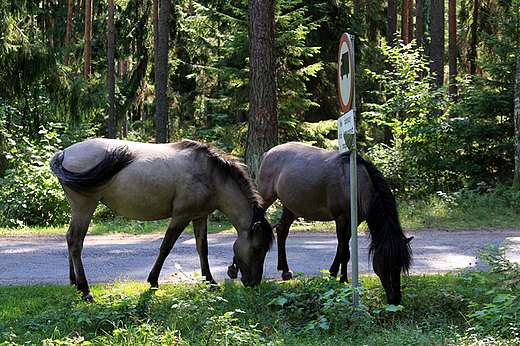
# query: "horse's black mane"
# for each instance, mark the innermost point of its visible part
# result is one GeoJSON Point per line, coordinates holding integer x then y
{"type": "Point", "coordinates": [388, 238]}
{"type": "Point", "coordinates": [227, 166]}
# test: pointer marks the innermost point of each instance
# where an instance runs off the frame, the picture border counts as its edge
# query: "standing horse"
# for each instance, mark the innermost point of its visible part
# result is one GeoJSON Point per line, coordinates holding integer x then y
{"type": "Point", "coordinates": [315, 184]}
{"type": "Point", "coordinates": [185, 181]}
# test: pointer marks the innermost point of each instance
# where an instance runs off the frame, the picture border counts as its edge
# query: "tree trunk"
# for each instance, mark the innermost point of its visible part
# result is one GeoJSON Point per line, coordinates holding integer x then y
{"type": "Point", "coordinates": [407, 22]}
{"type": "Point", "coordinates": [410, 21]}
{"type": "Point", "coordinates": [452, 47]}
{"type": "Point", "coordinates": [516, 182]}
{"type": "Point", "coordinates": [404, 22]}
{"type": "Point", "coordinates": [161, 73]}
{"type": "Point", "coordinates": [437, 42]}
{"type": "Point", "coordinates": [68, 32]}
{"type": "Point", "coordinates": [111, 72]}
{"type": "Point", "coordinates": [391, 18]}
{"type": "Point", "coordinates": [263, 110]}
{"type": "Point", "coordinates": [155, 22]}
{"type": "Point", "coordinates": [474, 37]}
{"type": "Point", "coordinates": [88, 39]}
{"type": "Point", "coordinates": [419, 23]}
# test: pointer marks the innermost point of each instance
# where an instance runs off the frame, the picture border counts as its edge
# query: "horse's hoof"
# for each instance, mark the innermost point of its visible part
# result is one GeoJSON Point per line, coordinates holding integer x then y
{"type": "Point", "coordinates": [287, 275]}
{"type": "Point", "coordinates": [154, 284]}
{"type": "Point", "coordinates": [88, 297]}
{"type": "Point", "coordinates": [232, 271]}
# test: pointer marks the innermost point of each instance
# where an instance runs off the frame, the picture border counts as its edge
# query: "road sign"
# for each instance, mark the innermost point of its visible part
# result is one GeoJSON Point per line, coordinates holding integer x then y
{"type": "Point", "coordinates": [346, 131]}
{"type": "Point", "coordinates": [346, 72]}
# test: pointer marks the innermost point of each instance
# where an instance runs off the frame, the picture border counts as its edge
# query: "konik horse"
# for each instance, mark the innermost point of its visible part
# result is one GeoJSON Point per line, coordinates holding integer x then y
{"type": "Point", "coordinates": [314, 183]}
{"type": "Point", "coordinates": [185, 181]}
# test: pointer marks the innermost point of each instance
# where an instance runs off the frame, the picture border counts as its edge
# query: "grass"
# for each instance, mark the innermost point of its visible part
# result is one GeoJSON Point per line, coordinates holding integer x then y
{"type": "Point", "coordinates": [465, 209]}
{"type": "Point", "coordinates": [436, 310]}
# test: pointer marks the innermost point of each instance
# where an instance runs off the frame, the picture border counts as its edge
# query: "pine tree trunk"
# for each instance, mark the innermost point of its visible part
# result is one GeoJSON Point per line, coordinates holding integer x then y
{"type": "Point", "coordinates": [88, 39]}
{"type": "Point", "coordinates": [391, 19]}
{"type": "Point", "coordinates": [161, 73]}
{"type": "Point", "coordinates": [111, 72]}
{"type": "Point", "coordinates": [452, 47]}
{"type": "Point", "coordinates": [155, 23]}
{"type": "Point", "coordinates": [410, 21]}
{"type": "Point", "coordinates": [407, 22]}
{"type": "Point", "coordinates": [263, 109]}
{"type": "Point", "coordinates": [437, 42]}
{"type": "Point", "coordinates": [419, 23]}
{"type": "Point", "coordinates": [472, 55]}
{"type": "Point", "coordinates": [516, 182]}
{"type": "Point", "coordinates": [68, 32]}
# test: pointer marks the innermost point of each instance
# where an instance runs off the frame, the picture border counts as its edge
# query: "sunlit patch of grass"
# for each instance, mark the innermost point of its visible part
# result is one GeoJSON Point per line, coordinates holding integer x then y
{"type": "Point", "coordinates": [114, 226]}
{"type": "Point", "coordinates": [58, 229]}
{"type": "Point", "coordinates": [461, 210]}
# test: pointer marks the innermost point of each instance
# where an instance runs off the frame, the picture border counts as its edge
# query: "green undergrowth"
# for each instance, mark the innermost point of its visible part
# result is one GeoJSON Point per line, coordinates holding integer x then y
{"type": "Point", "coordinates": [451, 309]}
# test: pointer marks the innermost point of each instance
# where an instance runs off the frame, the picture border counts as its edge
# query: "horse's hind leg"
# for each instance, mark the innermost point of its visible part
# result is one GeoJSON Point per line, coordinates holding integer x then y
{"type": "Point", "coordinates": [172, 234]}
{"type": "Point", "coordinates": [200, 228]}
{"type": "Point", "coordinates": [343, 251]}
{"type": "Point", "coordinates": [75, 237]}
{"type": "Point", "coordinates": [282, 230]}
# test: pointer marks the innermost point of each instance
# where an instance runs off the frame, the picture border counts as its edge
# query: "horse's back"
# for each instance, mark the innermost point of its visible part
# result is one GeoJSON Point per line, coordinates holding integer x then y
{"type": "Point", "coordinates": [84, 155]}
{"type": "Point", "coordinates": [306, 179]}
{"type": "Point", "coordinates": [146, 188]}
{"type": "Point", "coordinates": [310, 181]}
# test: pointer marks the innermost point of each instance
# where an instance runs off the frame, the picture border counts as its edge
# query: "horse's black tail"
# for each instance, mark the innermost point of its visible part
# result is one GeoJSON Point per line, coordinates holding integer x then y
{"type": "Point", "coordinates": [388, 238]}
{"type": "Point", "coordinates": [87, 181]}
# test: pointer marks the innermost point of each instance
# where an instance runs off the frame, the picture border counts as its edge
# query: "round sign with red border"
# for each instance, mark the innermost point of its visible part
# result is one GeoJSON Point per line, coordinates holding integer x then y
{"type": "Point", "coordinates": [346, 72]}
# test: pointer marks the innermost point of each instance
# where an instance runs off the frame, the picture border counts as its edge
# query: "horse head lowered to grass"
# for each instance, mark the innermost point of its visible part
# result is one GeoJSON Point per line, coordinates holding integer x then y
{"type": "Point", "coordinates": [315, 184]}
{"type": "Point", "coordinates": [185, 181]}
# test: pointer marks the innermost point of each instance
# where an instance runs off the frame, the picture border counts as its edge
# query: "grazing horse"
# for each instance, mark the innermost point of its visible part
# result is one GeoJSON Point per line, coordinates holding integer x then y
{"type": "Point", "coordinates": [314, 183]}
{"type": "Point", "coordinates": [185, 181]}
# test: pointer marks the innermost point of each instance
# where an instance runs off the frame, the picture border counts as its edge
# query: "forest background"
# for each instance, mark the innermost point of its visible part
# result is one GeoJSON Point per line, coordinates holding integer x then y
{"type": "Point", "coordinates": [435, 86]}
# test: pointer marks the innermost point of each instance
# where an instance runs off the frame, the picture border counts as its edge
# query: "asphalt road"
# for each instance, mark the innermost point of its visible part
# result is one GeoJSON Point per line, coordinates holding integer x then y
{"type": "Point", "coordinates": [43, 259]}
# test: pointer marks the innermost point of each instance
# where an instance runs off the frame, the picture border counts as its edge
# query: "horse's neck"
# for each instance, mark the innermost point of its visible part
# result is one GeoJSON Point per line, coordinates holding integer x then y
{"type": "Point", "coordinates": [233, 203]}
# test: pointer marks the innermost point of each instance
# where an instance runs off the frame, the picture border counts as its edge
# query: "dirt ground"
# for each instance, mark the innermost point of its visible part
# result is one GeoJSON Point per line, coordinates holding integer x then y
{"type": "Point", "coordinates": [43, 259]}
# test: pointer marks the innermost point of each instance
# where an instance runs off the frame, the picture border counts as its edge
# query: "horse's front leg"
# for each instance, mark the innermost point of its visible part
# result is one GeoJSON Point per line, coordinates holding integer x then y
{"type": "Point", "coordinates": [282, 231]}
{"type": "Point", "coordinates": [172, 234]}
{"type": "Point", "coordinates": [75, 237]}
{"type": "Point", "coordinates": [200, 229]}
{"type": "Point", "coordinates": [343, 251]}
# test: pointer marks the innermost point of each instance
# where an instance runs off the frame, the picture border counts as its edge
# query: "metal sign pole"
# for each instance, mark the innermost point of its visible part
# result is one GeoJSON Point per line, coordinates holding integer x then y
{"type": "Point", "coordinates": [354, 206]}
{"type": "Point", "coordinates": [347, 132]}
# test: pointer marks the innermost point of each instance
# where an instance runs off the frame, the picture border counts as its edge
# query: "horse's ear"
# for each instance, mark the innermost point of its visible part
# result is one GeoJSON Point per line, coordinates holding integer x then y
{"type": "Point", "coordinates": [409, 240]}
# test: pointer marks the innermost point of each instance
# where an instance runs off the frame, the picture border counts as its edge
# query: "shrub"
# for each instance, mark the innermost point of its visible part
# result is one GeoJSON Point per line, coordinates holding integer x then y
{"type": "Point", "coordinates": [29, 192]}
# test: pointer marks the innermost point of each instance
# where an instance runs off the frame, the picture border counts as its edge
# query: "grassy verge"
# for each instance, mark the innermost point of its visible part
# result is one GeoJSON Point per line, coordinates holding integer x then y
{"type": "Point", "coordinates": [450, 309]}
{"type": "Point", "coordinates": [465, 209]}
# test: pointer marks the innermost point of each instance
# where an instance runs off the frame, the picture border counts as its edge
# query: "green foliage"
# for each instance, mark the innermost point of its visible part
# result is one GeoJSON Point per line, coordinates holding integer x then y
{"type": "Point", "coordinates": [30, 194]}
{"type": "Point", "coordinates": [321, 303]}
{"type": "Point", "coordinates": [414, 112]}
{"type": "Point", "coordinates": [436, 147]}
{"type": "Point", "coordinates": [499, 312]}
